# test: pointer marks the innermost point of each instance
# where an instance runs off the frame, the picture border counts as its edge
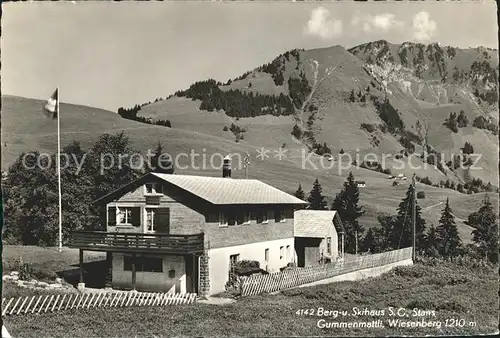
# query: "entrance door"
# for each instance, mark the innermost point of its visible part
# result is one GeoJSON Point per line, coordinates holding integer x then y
{"type": "Point", "coordinates": [191, 273]}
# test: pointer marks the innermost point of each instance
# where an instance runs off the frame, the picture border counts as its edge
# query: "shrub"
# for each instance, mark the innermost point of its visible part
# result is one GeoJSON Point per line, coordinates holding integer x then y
{"type": "Point", "coordinates": [246, 264]}
{"type": "Point", "coordinates": [368, 127]}
{"type": "Point", "coordinates": [225, 128]}
{"type": "Point", "coordinates": [426, 180]}
{"type": "Point", "coordinates": [296, 132]}
{"type": "Point", "coordinates": [421, 194]}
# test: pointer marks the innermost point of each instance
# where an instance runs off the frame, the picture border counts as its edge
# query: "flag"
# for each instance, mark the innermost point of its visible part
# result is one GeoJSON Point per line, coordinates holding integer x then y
{"type": "Point", "coordinates": [52, 105]}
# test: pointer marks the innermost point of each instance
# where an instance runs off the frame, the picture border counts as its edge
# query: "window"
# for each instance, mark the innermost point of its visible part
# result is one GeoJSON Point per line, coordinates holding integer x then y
{"type": "Point", "coordinates": [329, 245]}
{"type": "Point", "coordinates": [143, 264]}
{"type": "Point", "coordinates": [263, 217]}
{"type": "Point", "coordinates": [171, 273]}
{"type": "Point", "coordinates": [129, 216]}
{"type": "Point", "coordinates": [222, 219]}
{"type": "Point", "coordinates": [150, 219]}
{"type": "Point", "coordinates": [124, 215]}
{"type": "Point", "coordinates": [266, 255]}
{"type": "Point", "coordinates": [282, 252]}
{"type": "Point", "coordinates": [153, 188]}
{"type": "Point", "coordinates": [288, 254]}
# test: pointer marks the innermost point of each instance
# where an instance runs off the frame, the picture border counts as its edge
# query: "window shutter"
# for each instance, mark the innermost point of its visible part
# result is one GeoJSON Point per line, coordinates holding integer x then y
{"type": "Point", "coordinates": [162, 220]}
{"type": "Point", "coordinates": [136, 216]}
{"type": "Point", "coordinates": [111, 216]}
{"type": "Point", "coordinates": [277, 216]}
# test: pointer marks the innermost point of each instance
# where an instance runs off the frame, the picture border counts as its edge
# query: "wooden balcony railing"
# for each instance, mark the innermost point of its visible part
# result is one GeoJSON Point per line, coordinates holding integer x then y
{"type": "Point", "coordinates": [134, 242]}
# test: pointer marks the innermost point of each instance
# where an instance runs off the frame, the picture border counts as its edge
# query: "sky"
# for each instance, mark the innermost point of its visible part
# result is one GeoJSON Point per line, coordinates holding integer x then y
{"type": "Point", "coordinates": [118, 54]}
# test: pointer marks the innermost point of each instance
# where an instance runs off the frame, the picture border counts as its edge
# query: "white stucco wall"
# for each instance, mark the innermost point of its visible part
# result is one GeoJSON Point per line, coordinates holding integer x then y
{"type": "Point", "coordinates": [218, 259]}
{"type": "Point", "coordinates": [150, 281]}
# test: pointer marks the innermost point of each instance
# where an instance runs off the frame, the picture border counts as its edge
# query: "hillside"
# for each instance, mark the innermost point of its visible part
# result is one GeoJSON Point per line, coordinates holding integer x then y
{"type": "Point", "coordinates": [334, 91]}
{"type": "Point", "coordinates": [85, 124]}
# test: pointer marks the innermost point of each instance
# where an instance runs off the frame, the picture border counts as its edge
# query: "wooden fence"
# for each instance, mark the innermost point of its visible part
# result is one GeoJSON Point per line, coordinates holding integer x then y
{"type": "Point", "coordinates": [60, 302]}
{"type": "Point", "coordinates": [273, 282]}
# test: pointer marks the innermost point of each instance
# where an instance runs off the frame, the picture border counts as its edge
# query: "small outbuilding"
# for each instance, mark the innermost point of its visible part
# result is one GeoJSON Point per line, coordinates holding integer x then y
{"type": "Point", "coordinates": [319, 237]}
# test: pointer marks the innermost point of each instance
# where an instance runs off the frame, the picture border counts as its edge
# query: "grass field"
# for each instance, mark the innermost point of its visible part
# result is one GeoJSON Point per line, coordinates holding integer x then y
{"type": "Point", "coordinates": [47, 259]}
{"type": "Point", "coordinates": [452, 291]}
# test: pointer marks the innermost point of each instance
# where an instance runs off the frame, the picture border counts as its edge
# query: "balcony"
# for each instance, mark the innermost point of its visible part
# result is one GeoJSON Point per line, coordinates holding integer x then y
{"type": "Point", "coordinates": [138, 243]}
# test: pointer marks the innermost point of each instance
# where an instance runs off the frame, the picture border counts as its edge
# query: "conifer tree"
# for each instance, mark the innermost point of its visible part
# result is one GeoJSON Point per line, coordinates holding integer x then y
{"type": "Point", "coordinates": [485, 233]}
{"type": "Point", "coordinates": [300, 193]}
{"type": "Point", "coordinates": [316, 199]}
{"type": "Point", "coordinates": [346, 203]}
{"type": "Point", "coordinates": [432, 244]}
{"type": "Point", "coordinates": [448, 237]}
{"type": "Point", "coordinates": [369, 242]}
{"type": "Point", "coordinates": [402, 234]}
{"type": "Point", "coordinates": [383, 233]}
{"type": "Point", "coordinates": [160, 162]}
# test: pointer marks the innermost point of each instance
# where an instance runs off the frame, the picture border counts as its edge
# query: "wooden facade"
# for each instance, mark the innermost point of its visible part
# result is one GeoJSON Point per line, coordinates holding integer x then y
{"type": "Point", "coordinates": [154, 218]}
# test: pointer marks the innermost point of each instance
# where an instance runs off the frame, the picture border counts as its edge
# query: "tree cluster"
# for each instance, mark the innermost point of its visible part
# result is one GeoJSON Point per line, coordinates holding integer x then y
{"type": "Point", "coordinates": [481, 122]}
{"type": "Point", "coordinates": [236, 103]}
{"type": "Point", "coordinates": [407, 144]}
{"type": "Point", "coordinates": [368, 127]}
{"type": "Point", "coordinates": [131, 114]}
{"type": "Point", "coordinates": [321, 149]}
{"type": "Point", "coordinates": [299, 89]}
{"type": "Point", "coordinates": [237, 131]}
{"type": "Point", "coordinates": [277, 66]}
{"type": "Point", "coordinates": [388, 114]}
{"type": "Point", "coordinates": [31, 190]}
{"type": "Point", "coordinates": [375, 166]}
{"type": "Point", "coordinates": [453, 122]}
{"type": "Point", "coordinates": [474, 186]}
{"type": "Point", "coordinates": [359, 96]}
{"type": "Point", "coordinates": [468, 148]}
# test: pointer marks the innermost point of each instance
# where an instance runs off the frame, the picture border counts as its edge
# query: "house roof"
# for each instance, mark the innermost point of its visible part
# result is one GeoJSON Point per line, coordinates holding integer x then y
{"type": "Point", "coordinates": [220, 191]}
{"type": "Point", "coordinates": [315, 223]}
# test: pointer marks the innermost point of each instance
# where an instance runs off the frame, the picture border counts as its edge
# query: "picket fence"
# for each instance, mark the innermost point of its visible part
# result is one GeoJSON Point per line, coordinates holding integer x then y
{"type": "Point", "coordinates": [60, 302]}
{"type": "Point", "coordinates": [257, 284]}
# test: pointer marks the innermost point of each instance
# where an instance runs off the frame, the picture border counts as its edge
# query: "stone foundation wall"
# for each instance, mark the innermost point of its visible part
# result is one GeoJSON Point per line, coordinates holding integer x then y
{"type": "Point", "coordinates": [204, 287]}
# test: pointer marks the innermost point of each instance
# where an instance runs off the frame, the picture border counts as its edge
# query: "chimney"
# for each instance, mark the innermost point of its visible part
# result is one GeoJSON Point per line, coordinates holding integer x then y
{"type": "Point", "coordinates": [226, 167]}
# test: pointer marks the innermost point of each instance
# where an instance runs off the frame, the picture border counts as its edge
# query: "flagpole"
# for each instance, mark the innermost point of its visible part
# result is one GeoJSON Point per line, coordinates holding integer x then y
{"type": "Point", "coordinates": [59, 168]}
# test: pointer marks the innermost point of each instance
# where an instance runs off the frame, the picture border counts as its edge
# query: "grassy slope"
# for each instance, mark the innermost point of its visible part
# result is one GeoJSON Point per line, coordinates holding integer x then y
{"type": "Point", "coordinates": [48, 259]}
{"type": "Point", "coordinates": [85, 124]}
{"type": "Point", "coordinates": [452, 291]}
